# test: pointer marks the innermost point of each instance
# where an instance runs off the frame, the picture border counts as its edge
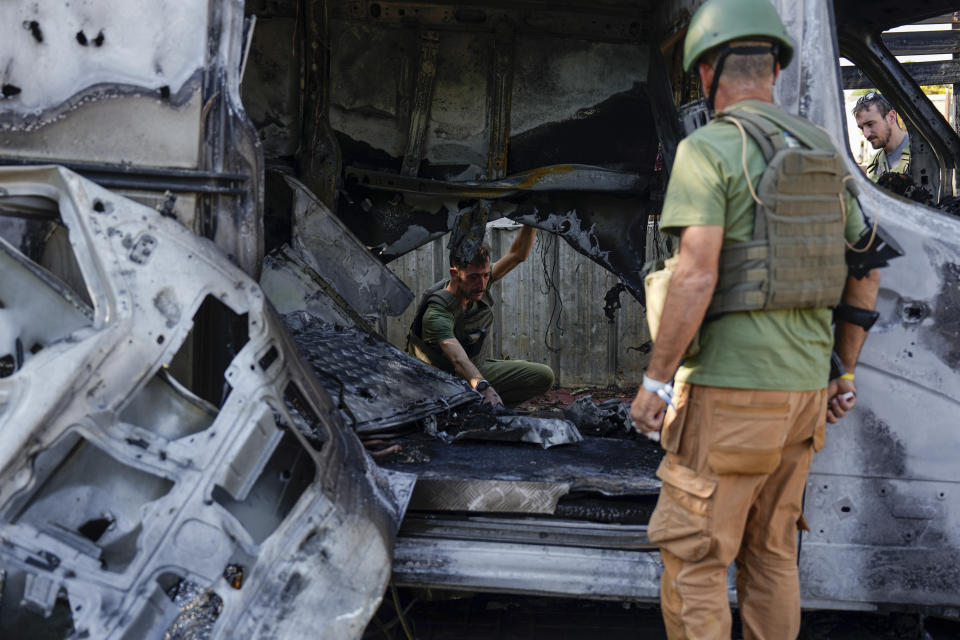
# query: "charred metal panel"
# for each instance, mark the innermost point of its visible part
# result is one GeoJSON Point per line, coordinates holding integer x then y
{"type": "Point", "coordinates": [331, 249]}
{"type": "Point", "coordinates": [257, 498]}
{"type": "Point", "coordinates": [896, 539]}
{"type": "Point", "coordinates": [873, 498]}
{"type": "Point", "coordinates": [421, 101]}
{"type": "Point", "coordinates": [271, 85]}
{"type": "Point", "coordinates": [511, 95]}
{"type": "Point", "coordinates": [91, 71]}
{"type": "Point", "coordinates": [602, 465]}
{"type": "Point", "coordinates": [104, 87]}
{"type": "Point", "coordinates": [375, 385]}
{"type": "Point", "coordinates": [525, 568]}
{"type": "Point", "coordinates": [532, 530]}
{"type": "Point", "coordinates": [292, 285]}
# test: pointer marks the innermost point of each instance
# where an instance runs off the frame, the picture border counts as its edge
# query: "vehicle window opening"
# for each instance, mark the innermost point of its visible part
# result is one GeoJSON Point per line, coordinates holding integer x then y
{"type": "Point", "coordinates": [43, 297]}
{"type": "Point", "coordinates": [925, 170]}
{"type": "Point", "coordinates": [287, 474]}
{"type": "Point", "coordinates": [217, 336]}
{"type": "Point", "coordinates": [32, 226]}
{"type": "Point", "coordinates": [268, 358]}
{"type": "Point", "coordinates": [168, 409]}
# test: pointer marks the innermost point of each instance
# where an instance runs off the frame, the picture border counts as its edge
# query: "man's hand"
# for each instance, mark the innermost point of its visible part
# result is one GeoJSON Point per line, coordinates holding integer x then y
{"type": "Point", "coordinates": [837, 405]}
{"type": "Point", "coordinates": [647, 411]}
{"type": "Point", "coordinates": [491, 397]}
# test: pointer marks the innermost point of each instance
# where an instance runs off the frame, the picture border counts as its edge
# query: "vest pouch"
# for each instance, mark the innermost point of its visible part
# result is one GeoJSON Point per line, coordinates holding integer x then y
{"type": "Point", "coordinates": [655, 286]}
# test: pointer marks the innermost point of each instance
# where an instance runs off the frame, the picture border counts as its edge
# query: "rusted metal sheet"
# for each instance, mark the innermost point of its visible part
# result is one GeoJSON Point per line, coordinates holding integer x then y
{"type": "Point", "coordinates": [565, 328]}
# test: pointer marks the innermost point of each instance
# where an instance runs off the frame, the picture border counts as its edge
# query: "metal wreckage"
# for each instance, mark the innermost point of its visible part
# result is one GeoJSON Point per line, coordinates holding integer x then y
{"type": "Point", "coordinates": [197, 203]}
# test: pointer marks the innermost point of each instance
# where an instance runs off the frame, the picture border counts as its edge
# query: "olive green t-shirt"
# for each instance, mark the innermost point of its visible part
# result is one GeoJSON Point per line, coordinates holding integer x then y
{"type": "Point", "coordinates": [437, 323]}
{"type": "Point", "coordinates": [787, 350]}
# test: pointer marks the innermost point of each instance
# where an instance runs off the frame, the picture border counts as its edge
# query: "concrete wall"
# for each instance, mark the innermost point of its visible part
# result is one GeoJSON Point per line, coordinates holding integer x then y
{"type": "Point", "coordinates": [563, 327]}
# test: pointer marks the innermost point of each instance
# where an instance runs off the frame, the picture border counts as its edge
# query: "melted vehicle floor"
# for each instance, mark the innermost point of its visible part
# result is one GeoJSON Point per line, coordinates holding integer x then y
{"type": "Point", "coordinates": [613, 466]}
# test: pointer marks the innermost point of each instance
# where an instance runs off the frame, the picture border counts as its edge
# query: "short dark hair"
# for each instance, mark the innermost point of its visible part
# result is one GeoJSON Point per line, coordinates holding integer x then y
{"type": "Point", "coordinates": [870, 99]}
{"type": "Point", "coordinates": [744, 66]}
{"type": "Point", "coordinates": [480, 258]}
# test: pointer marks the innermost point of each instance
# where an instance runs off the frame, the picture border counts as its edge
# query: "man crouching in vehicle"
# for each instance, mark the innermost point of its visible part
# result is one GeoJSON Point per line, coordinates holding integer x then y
{"type": "Point", "coordinates": [751, 401]}
{"type": "Point", "coordinates": [450, 328]}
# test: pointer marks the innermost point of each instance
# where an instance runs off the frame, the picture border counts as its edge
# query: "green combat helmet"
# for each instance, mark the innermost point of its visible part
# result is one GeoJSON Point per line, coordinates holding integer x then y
{"type": "Point", "coordinates": [718, 22]}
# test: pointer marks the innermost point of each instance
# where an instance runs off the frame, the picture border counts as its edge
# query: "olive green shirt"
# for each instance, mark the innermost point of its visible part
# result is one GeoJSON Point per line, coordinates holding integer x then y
{"type": "Point", "coordinates": [469, 325]}
{"type": "Point", "coordinates": [438, 322]}
{"type": "Point", "coordinates": [787, 350]}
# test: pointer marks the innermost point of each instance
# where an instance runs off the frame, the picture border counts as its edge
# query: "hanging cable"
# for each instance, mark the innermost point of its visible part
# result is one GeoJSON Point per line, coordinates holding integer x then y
{"type": "Point", "coordinates": [548, 245]}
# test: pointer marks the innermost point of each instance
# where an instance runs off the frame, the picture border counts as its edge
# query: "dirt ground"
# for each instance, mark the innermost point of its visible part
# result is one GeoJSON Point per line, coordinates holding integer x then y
{"type": "Point", "coordinates": [450, 616]}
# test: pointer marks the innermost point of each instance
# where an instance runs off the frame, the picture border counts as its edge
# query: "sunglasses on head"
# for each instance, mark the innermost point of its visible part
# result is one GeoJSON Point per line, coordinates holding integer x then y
{"type": "Point", "coordinates": [868, 97]}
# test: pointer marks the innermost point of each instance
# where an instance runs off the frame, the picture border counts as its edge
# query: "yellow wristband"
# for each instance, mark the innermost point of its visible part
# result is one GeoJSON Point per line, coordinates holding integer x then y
{"type": "Point", "coordinates": [847, 376]}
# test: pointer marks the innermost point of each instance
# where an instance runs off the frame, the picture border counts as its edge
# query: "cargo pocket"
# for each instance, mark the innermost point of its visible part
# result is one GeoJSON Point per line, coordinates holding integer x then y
{"type": "Point", "coordinates": [682, 523]}
{"type": "Point", "coordinates": [674, 421]}
{"type": "Point", "coordinates": [820, 435]}
{"type": "Point", "coordinates": [747, 439]}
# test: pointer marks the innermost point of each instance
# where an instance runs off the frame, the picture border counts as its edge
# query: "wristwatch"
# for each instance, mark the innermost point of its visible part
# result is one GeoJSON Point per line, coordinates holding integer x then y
{"type": "Point", "coordinates": [482, 386]}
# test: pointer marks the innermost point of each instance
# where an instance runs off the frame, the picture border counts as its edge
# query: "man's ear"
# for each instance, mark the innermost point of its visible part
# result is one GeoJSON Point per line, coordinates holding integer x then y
{"type": "Point", "coordinates": [892, 118]}
{"type": "Point", "coordinates": [776, 71]}
{"type": "Point", "coordinates": [705, 72]}
{"type": "Point", "coordinates": [453, 273]}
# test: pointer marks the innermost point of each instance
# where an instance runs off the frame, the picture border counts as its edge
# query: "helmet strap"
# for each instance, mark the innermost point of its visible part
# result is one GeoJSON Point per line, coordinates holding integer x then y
{"type": "Point", "coordinates": [726, 50]}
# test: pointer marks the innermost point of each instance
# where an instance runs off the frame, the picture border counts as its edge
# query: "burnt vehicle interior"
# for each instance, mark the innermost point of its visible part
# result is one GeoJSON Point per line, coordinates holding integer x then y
{"type": "Point", "coordinates": [425, 118]}
{"type": "Point", "coordinates": [934, 143]}
{"type": "Point", "coordinates": [428, 118]}
{"type": "Point", "coordinates": [384, 125]}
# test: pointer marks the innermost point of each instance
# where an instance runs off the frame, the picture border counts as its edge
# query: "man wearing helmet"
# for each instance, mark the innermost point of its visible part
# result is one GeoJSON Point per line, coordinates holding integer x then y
{"type": "Point", "coordinates": [759, 266]}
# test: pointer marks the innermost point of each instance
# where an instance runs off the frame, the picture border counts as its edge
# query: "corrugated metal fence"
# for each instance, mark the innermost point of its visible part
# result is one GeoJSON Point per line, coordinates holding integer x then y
{"type": "Point", "coordinates": [562, 325]}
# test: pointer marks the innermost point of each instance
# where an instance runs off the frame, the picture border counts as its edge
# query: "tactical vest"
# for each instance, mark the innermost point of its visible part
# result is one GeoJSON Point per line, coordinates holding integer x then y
{"type": "Point", "coordinates": [880, 163]}
{"type": "Point", "coordinates": [470, 327]}
{"type": "Point", "coordinates": [795, 259]}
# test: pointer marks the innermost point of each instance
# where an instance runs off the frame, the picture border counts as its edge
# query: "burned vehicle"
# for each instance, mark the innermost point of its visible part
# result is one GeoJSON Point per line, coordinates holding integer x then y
{"type": "Point", "coordinates": [199, 203]}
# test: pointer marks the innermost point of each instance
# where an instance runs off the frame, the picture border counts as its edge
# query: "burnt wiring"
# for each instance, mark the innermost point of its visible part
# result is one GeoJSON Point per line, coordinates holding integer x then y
{"type": "Point", "coordinates": [548, 245]}
{"type": "Point", "coordinates": [401, 613]}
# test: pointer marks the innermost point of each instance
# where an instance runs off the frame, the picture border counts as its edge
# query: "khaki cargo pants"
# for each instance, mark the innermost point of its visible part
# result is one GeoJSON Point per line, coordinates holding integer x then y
{"type": "Point", "coordinates": [733, 478]}
{"type": "Point", "coordinates": [517, 381]}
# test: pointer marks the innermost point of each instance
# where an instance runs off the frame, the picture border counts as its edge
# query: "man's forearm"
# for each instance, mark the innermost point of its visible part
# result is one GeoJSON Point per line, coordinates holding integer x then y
{"type": "Point", "coordinates": [684, 308]}
{"type": "Point", "coordinates": [519, 251]}
{"type": "Point", "coordinates": [860, 293]}
{"type": "Point", "coordinates": [688, 297]}
{"type": "Point", "coordinates": [523, 243]}
{"type": "Point", "coordinates": [462, 365]}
